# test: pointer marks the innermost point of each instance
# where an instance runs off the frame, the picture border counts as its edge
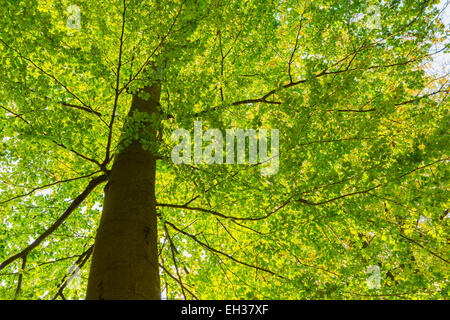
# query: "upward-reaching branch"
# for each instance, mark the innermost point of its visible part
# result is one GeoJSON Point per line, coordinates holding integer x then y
{"type": "Point", "coordinates": [117, 91]}
{"type": "Point", "coordinates": [291, 59]}
{"type": "Point", "coordinates": [19, 282]}
{"type": "Point", "coordinates": [75, 204]}
{"type": "Point", "coordinates": [81, 261]}
{"type": "Point", "coordinates": [206, 246]}
{"type": "Point", "coordinates": [147, 61]}
{"type": "Point", "coordinates": [46, 186]}
{"type": "Point", "coordinates": [85, 107]}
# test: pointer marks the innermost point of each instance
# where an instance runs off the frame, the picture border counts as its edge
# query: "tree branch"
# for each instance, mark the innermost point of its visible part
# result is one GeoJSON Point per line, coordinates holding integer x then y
{"type": "Point", "coordinates": [295, 47]}
{"type": "Point", "coordinates": [19, 283]}
{"type": "Point", "coordinates": [179, 282]}
{"type": "Point", "coordinates": [74, 205]}
{"type": "Point", "coordinates": [48, 75]}
{"type": "Point", "coordinates": [81, 261]}
{"type": "Point", "coordinates": [116, 97]}
{"type": "Point", "coordinates": [173, 249]}
{"type": "Point", "coordinates": [147, 61]}
{"type": "Point", "coordinates": [193, 237]}
{"type": "Point", "coordinates": [46, 186]}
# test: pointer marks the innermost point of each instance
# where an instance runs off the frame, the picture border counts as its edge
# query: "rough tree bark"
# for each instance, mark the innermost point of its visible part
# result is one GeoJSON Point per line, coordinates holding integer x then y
{"type": "Point", "coordinates": [125, 258]}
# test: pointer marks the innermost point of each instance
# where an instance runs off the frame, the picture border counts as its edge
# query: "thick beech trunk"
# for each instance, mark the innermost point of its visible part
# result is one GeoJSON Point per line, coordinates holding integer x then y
{"type": "Point", "coordinates": [125, 259]}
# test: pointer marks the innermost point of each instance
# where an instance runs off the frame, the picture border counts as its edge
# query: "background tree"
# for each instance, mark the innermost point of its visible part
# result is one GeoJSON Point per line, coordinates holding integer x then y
{"type": "Point", "coordinates": [88, 107]}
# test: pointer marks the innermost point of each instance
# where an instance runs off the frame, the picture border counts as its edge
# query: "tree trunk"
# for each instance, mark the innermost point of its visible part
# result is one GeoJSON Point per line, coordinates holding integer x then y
{"type": "Point", "coordinates": [125, 259]}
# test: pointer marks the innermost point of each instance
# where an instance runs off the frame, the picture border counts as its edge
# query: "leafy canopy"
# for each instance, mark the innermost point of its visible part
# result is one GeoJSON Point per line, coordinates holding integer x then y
{"type": "Point", "coordinates": [363, 139]}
